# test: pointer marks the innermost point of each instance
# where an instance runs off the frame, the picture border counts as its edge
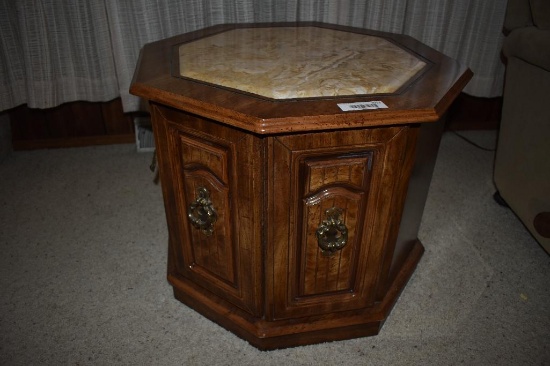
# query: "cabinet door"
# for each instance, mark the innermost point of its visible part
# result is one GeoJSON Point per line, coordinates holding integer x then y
{"type": "Point", "coordinates": [333, 217]}
{"type": "Point", "coordinates": [212, 189]}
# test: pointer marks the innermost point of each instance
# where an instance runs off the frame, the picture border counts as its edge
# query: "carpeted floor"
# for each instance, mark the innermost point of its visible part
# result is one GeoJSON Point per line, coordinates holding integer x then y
{"type": "Point", "coordinates": [83, 256]}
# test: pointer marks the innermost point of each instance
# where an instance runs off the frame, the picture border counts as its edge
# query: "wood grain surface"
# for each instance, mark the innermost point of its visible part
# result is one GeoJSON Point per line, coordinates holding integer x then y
{"type": "Point", "coordinates": [277, 174]}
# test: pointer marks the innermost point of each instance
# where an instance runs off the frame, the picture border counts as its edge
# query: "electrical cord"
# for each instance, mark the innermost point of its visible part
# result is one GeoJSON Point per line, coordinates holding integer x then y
{"type": "Point", "coordinates": [472, 142]}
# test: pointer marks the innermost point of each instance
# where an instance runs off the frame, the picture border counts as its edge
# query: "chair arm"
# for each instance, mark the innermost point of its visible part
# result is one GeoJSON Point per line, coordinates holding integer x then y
{"type": "Point", "coordinates": [518, 15]}
{"type": "Point", "coordinates": [529, 44]}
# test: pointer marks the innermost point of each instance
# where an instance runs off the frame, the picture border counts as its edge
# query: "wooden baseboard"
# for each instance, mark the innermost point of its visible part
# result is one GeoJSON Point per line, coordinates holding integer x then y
{"type": "Point", "coordinates": [72, 142]}
{"type": "Point", "coordinates": [474, 113]}
{"type": "Point", "coordinates": [72, 124]}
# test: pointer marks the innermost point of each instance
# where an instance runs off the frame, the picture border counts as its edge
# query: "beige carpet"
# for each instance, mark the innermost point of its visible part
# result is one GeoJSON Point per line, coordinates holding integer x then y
{"type": "Point", "coordinates": [82, 273]}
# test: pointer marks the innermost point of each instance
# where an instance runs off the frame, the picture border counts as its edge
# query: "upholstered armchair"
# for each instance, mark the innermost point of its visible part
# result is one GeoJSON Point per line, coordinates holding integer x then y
{"type": "Point", "coordinates": [522, 164]}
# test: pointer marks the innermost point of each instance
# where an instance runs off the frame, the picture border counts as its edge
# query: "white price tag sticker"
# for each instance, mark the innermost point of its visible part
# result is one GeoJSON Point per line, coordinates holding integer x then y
{"type": "Point", "coordinates": [361, 106]}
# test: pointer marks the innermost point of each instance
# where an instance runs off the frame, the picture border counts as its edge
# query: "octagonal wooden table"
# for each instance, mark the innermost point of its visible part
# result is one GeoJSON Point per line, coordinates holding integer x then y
{"type": "Point", "coordinates": [295, 161]}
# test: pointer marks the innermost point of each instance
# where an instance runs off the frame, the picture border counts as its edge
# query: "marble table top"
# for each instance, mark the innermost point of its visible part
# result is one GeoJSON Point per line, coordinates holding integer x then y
{"type": "Point", "coordinates": [298, 62]}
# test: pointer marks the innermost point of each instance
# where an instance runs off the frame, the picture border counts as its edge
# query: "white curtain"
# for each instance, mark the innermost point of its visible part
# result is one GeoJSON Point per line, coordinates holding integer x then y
{"type": "Point", "coordinates": [54, 52]}
{"type": "Point", "coordinates": [57, 51]}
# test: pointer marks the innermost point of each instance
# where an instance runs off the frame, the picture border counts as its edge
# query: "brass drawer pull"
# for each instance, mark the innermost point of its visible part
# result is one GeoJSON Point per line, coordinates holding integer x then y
{"type": "Point", "coordinates": [332, 234]}
{"type": "Point", "coordinates": [201, 212]}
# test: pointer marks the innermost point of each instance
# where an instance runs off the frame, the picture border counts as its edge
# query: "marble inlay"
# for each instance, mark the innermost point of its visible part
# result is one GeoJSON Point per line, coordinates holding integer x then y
{"type": "Point", "coordinates": [298, 62]}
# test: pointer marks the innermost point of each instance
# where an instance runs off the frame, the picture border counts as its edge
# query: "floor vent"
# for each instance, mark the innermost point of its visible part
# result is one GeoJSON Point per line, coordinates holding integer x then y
{"type": "Point", "coordinates": [145, 141]}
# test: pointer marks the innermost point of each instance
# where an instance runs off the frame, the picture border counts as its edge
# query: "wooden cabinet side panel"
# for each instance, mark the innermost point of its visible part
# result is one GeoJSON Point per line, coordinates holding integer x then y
{"type": "Point", "coordinates": [421, 168]}
{"type": "Point", "coordinates": [193, 153]}
{"type": "Point", "coordinates": [304, 281]}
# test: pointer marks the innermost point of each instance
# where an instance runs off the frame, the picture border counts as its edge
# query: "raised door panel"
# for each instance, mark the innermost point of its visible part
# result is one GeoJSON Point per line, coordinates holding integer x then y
{"type": "Point", "coordinates": [333, 198]}
{"type": "Point", "coordinates": [215, 207]}
{"type": "Point", "coordinates": [333, 212]}
{"type": "Point", "coordinates": [206, 186]}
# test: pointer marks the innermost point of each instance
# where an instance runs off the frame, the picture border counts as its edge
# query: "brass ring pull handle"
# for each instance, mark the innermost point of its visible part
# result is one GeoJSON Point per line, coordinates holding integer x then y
{"type": "Point", "coordinates": [332, 234]}
{"type": "Point", "coordinates": [201, 213]}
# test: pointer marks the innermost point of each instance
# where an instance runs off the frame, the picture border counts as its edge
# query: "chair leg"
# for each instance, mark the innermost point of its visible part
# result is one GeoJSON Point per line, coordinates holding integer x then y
{"type": "Point", "coordinates": [542, 224]}
{"type": "Point", "coordinates": [498, 199]}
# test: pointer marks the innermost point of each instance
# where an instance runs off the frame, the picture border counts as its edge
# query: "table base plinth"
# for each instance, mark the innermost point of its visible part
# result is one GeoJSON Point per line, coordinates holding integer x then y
{"type": "Point", "coordinates": [269, 335]}
{"type": "Point", "coordinates": [294, 189]}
